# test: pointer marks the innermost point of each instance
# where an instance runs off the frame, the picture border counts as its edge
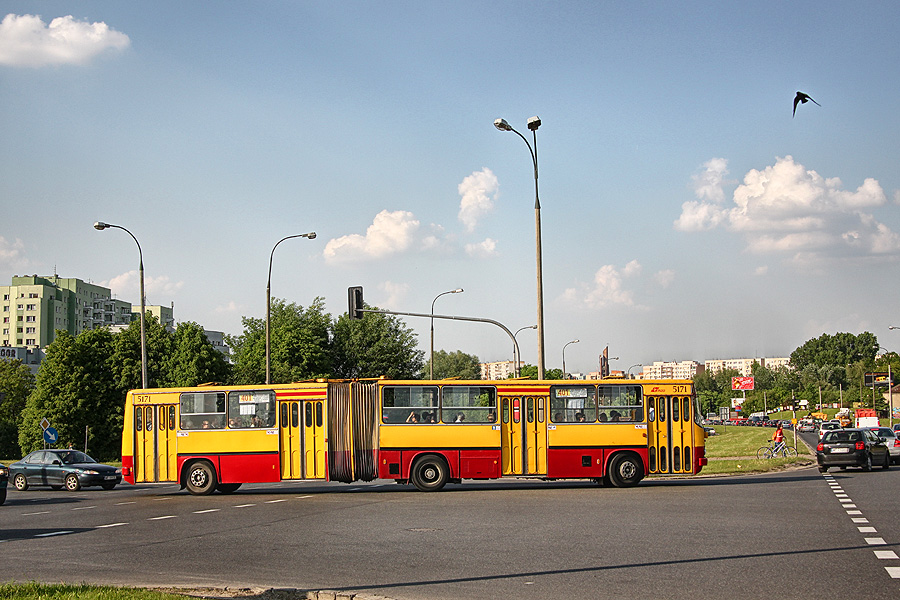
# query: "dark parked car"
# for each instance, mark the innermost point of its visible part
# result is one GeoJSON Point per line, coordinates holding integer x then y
{"type": "Point", "coordinates": [852, 448]}
{"type": "Point", "coordinates": [889, 437]}
{"type": "Point", "coordinates": [4, 475]}
{"type": "Point", "coordinates": [62, 468]}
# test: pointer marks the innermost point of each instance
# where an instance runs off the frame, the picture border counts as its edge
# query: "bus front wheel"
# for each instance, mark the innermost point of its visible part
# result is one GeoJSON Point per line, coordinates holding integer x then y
{"type": "Point", "coordinates": [429, 473]}
{"type": "Point", "coordinates": [625, 470]}
{"type": "Point", "coordinates": [201, 478]}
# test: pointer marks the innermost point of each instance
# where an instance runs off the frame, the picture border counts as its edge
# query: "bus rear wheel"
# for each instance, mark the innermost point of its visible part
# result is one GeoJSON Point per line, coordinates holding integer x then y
{"type": "Point", "coordinates": [625, 470]}
{"type": "Point", "coordinates": [201, 478]}
{"type": "Point", "coordinates": [429, 473]}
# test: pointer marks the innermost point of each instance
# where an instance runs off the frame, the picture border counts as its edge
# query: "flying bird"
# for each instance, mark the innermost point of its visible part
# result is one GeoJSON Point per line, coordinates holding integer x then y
{"type": "Point", "coordinates": [802, 98]}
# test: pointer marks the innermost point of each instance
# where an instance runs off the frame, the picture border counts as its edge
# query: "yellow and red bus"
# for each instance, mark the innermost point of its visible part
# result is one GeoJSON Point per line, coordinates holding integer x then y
{"type": "Point", "coordinates": [423, 432]}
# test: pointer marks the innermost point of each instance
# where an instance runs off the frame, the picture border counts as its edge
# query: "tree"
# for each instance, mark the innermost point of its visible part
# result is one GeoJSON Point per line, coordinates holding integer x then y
{"type": "Point", "coordinates": [299, 340]}
{"type": "Point", "coordinates": [16, 382]}
{"type": "Point", "coordinates": [374, 346]}
{"type": "Point", "coordinates": [453, 364]}
{"type": "Point", "coordinates": [77, 387]}
{"type": "Point", "coordinates": [714, 389]}
{"type": "Point", "coordinates": [830, 356]}
{"type": "Point", "coordinates": [127, 354]}
{"type": "Point", "coordinates": [531, 372]}
{"type": "Point", "coordinates": [193, 359]}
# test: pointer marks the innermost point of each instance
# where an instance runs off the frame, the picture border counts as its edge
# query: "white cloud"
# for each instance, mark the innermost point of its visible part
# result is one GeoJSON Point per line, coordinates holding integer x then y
{"type": "Point", "coordinates": [664, 278]}
{"type": "Point", "coordinates": [390, 233]}
{"type": "Point", "coordinates": [484, 249]}
{"type": "Point", "coordinates": [708, 185]}
{"type": "Point", "coordinates": [127, 286]}
{"type": "Point", "coordinates": [396, 292]}
{"type": "Point", "coordinates": [232, 308]}
{"type": "Point", "coordinates": [478, 192]}
{"type": "Point", "coordinates": [786, 208]}
{"type": "Point", "coordinates": [12, 255]}
{"type": "Point", "coordinates": [607, 288]}
{"type": "Point", "coordinates": [760, 271]}
{"type": "Point", "coordinates": [26, 41]}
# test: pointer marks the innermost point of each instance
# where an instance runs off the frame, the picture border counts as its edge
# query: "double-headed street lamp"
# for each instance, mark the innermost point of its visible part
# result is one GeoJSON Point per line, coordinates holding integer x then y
{"type": "Point", "coordinates": [533, 124]}
{"type": "Point", "coordinates": [565, 376]}
{"type": "Point", "coordinates": [311, 235]}
{"type": "Point", "coordinates": [431, 360]}
{"type": "Point", "coordinates": [100, 226]}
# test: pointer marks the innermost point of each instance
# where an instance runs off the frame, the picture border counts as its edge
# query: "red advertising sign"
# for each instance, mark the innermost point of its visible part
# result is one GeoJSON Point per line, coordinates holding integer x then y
{"type": "Point", "coordinates": [741, 383]}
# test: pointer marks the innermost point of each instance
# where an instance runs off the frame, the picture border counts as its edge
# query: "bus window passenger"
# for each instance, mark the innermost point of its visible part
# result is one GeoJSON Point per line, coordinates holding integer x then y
{"type": "Point", "coordinates": [614, 416]}
{"type": "Point", "coordinates": [603, 417]}
{"type": "Point", "coordinates": [579, 417]}
{"type": "Point", "coordinates": [412, 418]}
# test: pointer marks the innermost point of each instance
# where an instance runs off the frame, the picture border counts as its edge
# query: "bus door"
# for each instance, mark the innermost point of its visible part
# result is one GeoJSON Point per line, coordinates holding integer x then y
{"type": "Point", "coordinates": [314, 439]}
{"type": "Point", "coordinates": [291, 444]}
{"type": "Point", "coordinates": [154, 443]}
{"type": "Point", "coordinates": [524, 431]}
{"type": "Point", "coordinates": [670, 434]}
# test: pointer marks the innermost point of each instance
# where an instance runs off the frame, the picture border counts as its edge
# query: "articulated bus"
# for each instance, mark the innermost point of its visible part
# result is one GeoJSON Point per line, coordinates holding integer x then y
{"type": "Point", "coordinates": [426, 433]}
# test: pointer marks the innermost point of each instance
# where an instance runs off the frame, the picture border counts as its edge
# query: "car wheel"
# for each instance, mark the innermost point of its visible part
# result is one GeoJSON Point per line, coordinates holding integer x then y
{"type": "Point", "coordinates": [201, 479]}
{"type": "Point", "coordinates": [868, 465]}
{"type": "Point", "coordinates": [823, 469]}
{"type": "Point", "coordinates": [887, 462]}
{"type": "Point", "coordinates": [2, 496]}
{"type": "Point", "coordinates": [20, 482]}
{"type": "Point", "coordinates": [72, 483]}
{"type": "Point", "coordinates": [429, 474]}
{"type": "Point", "coordinates": [625, 470]}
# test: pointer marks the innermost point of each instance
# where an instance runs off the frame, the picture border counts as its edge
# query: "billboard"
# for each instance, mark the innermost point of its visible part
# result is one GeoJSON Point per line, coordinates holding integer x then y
{"type": "Point", "coordinates": [741, 383]}
{"type": "Point", "coordinates": [873, 379]}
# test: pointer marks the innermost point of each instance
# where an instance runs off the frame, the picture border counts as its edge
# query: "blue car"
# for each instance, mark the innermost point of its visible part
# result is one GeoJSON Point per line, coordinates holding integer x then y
{"type": "Point", "coordinates": [62, 468]}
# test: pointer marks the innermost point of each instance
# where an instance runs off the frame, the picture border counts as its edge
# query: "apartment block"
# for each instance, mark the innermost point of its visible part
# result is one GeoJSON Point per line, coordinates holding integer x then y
{"type": "Point", "coordinates": [33, 308]}
{"type": "Point", "coordinates": [685, 369]}
{"type": "Point", "coordinates": [499, 370]}
{"type": "Point", "coordinates": [745, 365]}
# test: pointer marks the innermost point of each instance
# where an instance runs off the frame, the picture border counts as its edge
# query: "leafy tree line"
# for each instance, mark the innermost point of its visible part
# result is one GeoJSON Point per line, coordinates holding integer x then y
{"type": "Point", "coordinates": [827, 369]}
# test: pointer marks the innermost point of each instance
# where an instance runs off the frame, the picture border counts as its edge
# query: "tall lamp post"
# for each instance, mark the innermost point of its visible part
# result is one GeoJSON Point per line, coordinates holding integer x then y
{"type": "Point", "coordinates": [431, 360]}
{"type": "Point", "coordinates": [517, 358]}
{"type": "Point", "coordinates": [565, 376]}
{"type": "Point", "coordinates": [100, 226]}
{"type": "Point", "coordinates": [533, 124]}
{"type": "Point", "coordinates": [311, 235]}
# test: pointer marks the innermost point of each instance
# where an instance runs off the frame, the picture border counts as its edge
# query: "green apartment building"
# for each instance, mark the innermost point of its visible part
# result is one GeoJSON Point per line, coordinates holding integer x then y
{"type": "Point", "coordinates": [33, 308]}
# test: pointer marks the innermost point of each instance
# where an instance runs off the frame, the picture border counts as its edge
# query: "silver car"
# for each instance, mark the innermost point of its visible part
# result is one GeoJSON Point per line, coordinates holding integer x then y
{"type": "Point", "coordinates": [889, 437]}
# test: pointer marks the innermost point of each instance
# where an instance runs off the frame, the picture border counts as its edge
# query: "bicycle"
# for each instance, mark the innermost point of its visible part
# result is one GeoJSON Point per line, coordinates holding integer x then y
{"type": "Point", "coordinates": [780, 450]}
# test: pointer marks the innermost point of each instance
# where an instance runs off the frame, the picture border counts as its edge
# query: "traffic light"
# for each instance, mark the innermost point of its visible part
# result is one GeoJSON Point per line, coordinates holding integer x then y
{"type": "Point", "coordinates": [355, 297]}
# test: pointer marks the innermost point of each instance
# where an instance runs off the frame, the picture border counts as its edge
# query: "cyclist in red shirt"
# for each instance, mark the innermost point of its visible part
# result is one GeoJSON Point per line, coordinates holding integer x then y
{"type": "Point", "coordinates": [778, 437]}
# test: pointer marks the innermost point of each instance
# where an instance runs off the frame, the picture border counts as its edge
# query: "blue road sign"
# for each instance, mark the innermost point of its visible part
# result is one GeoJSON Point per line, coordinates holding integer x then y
{"type": "Point", "coordinates": [51, 435]}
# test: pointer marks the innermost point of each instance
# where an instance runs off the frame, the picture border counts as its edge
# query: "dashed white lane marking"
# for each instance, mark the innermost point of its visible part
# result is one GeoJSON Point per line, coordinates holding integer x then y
{"type": "Point", "coordinates": [302, 497]}
{"type": "Point", "coordinates": [43, 512]}
{"type": "Point", "coordinates": [894, 572]}
{"type": "Point", "coordinates": [161, 518]}
{"type": "Point", "coordinates": [886, 554]}
{"type": "Point", "coordinates": [52, 533]}
{"type": "Point", "coordinates": [859, 520]}
{"type": "Point", "coordinates": [84, 507]}
{"type": "Point", "coordinates": [208, 510]}
{"type": "Point", "coordinates": [275, 501]}
{"type": "Point", "coordinates": [876, 541]}
{"type": "Point", "coordinates": [244, 505]}
{"type": "Point", "coordinates": [867, 530]}
{"type": "Point", "coordinates": [111, 525]}
{"type": "Point", "coordinates": [854, 512]}
{"type": "Point", "coordinates": [129, 502]}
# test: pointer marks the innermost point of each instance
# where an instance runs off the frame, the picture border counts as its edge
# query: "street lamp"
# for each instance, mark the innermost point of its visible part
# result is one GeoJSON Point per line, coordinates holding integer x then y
{"type": "Point", "coordinates": [565, 376]}
{"type": "Point", "coordinates": [633, 366]}
{"type": "Point", "coordinates": [311, 235]}
{"type": "Point", "coordinates": [516, 357]}
{"type": "Point", "coordinates": [100, 226]}
{"type": "Point", "coordinates": [431, 361]}
{"type": "Point", "coordinates": [533, 124]}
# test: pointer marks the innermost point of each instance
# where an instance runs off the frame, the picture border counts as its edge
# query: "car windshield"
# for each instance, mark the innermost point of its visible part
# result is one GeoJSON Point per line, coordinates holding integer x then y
{"type": "Point", "coordinates": [841, 437]}
{"type": "Point", "coordinates": [73, 456]}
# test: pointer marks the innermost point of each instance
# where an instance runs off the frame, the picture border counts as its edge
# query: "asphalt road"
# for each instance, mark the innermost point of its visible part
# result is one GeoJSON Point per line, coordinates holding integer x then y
{"type": "Point", "coordinates": [790, 534]}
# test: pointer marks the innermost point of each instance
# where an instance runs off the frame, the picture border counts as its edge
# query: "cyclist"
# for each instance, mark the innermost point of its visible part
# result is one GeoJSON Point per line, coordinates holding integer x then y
{"type": "Point", "coordinates": [778, 439]}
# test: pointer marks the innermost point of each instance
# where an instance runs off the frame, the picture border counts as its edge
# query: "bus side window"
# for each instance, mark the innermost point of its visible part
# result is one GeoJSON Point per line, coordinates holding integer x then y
{"type": "Point", "coordinates": [506, 410]}
{"type": "Point", "coordinates": [138, 420]}
{"type": "Point", "coordinates": [686, 409]}
{"type": "Point", "coordinates": [284, 414]}
{"type": "Point", "coordinates": [309, 412]}
{"type": "Point", "coordinates": [172, 417]}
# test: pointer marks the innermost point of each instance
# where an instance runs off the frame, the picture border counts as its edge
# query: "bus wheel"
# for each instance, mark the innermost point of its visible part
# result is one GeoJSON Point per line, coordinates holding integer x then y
{"type": "Point", "coordinates": [625, 470]}
{"type": "Point", "coordinates": [429, 474]}
{"type": "Point", "coordinates": [201, 478]}
{"type": "Point", "coordinates": [228, 488]}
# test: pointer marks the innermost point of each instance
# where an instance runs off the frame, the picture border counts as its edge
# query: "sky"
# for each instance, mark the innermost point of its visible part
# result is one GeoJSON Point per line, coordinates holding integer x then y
{"type": "Point", "coordinates": [686, 214]}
